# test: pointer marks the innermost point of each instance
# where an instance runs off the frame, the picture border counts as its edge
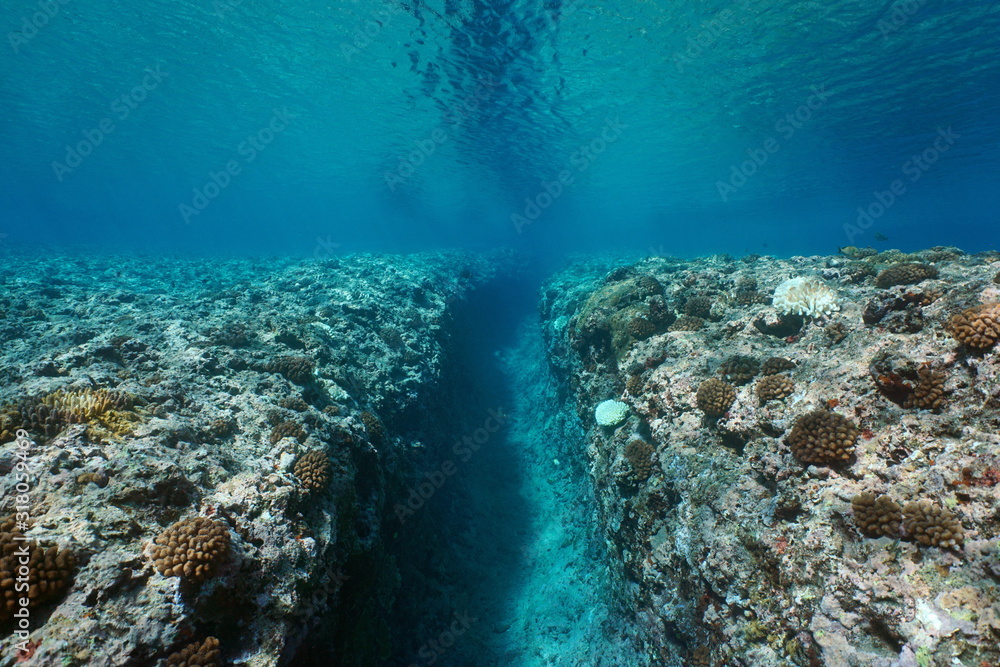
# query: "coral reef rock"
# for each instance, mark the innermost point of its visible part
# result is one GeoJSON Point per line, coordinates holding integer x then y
{"type": "Point", "coordinates": [734, 552]}
{"type": "Point", "coordinates": [166, 402]}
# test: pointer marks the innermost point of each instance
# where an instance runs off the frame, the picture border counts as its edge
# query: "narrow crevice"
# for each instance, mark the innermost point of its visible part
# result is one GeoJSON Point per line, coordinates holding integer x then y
{"type": "Point", "coordinates": [502, 562]}
{"type": "Point", "coordinates": [460, 521]}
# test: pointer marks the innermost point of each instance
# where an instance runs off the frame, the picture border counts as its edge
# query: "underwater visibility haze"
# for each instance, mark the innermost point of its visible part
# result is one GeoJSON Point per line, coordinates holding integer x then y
{"type": "Point", "coordinates": [520, 333]}
{"type": "Point", "coordinates": [395, 125]}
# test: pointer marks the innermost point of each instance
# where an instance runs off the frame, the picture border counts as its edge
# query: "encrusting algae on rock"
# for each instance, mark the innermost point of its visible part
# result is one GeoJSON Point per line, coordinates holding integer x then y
{"type": "Point", "coordinates": [770, 494]}
{"type": "Point", "coordinates": [210, 478]}
{"type": "Point", "coordinates": [838, 497]}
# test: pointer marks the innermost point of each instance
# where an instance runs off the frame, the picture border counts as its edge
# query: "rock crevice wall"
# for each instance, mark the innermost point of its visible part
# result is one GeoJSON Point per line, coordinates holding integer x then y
{"type": "Point", "coordinates": [279, 402]}
{"type": "Point", "coordinates": [726, 547]}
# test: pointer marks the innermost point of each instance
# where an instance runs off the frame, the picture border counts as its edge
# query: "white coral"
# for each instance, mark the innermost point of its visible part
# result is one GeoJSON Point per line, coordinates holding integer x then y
{"type": "Point", "coordinates": [805, 296]}
{"type": "Point", "coordinates": [610, 413]}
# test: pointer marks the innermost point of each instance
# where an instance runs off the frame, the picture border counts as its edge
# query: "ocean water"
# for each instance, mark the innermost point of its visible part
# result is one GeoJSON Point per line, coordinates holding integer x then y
{"type": "Point", "coordinates": [191, 190]}
{"type": "Point", "coordinates": [403, 125]}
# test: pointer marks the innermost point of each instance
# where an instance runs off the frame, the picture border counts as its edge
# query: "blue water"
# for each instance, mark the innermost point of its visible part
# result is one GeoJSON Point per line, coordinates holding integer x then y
{"type": "Point", "coordinates": [310, 129]}
{"type": "Point", "coordinates": [398, 125]}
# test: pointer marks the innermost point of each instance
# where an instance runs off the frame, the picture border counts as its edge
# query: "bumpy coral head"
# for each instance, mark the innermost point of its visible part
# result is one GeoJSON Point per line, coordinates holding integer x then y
{"type": "Point", "coordinates": [822, 437]}
{"type": "Point", "coordinates": [977, 327]}
{"type": "Point", "coordinates": [932, 525]}
{"type": "Point", "coordinates": [313, 470]}
{"type": "Point", "coordinates": [191, 548]}
{"type": "Point", "coordinates": [198, 654]}
{"type": "Point", "coordinates": [30, 574]}
{"type": "Point", "coordinates": [714, 397]}
{"type": "Point", "coordinates": [805, 296]}
{"type": "Point", "coordinates": [877, 516]}
{"type": "Point", "coordinates": [775, 387]}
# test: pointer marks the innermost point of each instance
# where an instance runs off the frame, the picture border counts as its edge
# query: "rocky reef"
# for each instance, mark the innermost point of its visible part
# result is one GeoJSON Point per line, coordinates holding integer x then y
{"type": "Point", "coordinates": [201, 455]}
{"type": "Point", "coordinates": [810, 482]}
{"type": "Point", "coordinates": [793, 462]}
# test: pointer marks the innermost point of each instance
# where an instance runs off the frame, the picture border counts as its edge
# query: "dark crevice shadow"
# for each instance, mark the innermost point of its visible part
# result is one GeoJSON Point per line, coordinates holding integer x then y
{"type": "Point", "coordinates": [457, 549]}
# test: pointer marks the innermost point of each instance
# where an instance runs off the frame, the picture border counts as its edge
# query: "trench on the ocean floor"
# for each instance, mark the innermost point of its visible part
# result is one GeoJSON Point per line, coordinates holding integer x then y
{"type": "Point", "coordinates": [497, 547]}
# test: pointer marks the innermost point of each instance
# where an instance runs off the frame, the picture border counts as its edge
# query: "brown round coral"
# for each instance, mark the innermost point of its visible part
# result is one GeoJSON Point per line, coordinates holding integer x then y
{"type": "Point", "coordinates": [218, 428]}
{"type": "Point", "coordinates": [774, 365]}
{"type": "Point", "coordinates": [635, 384]}
{"type": "Point", "coordinates": [698, 306]}
{"type": "Point", "coordinates": [940, 253]}
{"type": "Point", "coordinates": [739, 369]}
{"type": "Point", "coordinates": [297, 369]}
{"type": "Point", "coordinates": [977, 327]}
{"type": "Point", "coordinates": [192, 548]}
{"type": "Point", "coordinates": [640, 328]}
{"type": "Point", "coordinates": [618, 274]}
{"type": "Point", "coordinates": [313, 470]}
{"type": "Point", "coordinates": [749, 297]}
{"type": "Point", "coordinates": [715, 396]}
{"type": "Point", "coordinates": [392, 337]}
{"type": "Point", "coordinates": [373, 426]}
{"type": "Point", "coordinates": [197, 654]}
{"type": "Point", "coordinates": [39, 420]}
{"type": "Point", "coordinates": [648, 286]}
{"type": "Point", "coordinates": [932, 525]}
{"type": "Point", "coordinates": [294, 403]}
{"type": "Point", "coordinates": [907, 273]}
{"type": "Point", "coordinates": [639, 455]}
{"type": "Point", "coordinates": [687, 323]}
{"type": "Point", "coordinates": [235, 335]}
{"type": "Point", "coordinates": [50, 571]}
{"type": "Point", "coordinates": [822, 436]}
{"type": "Point", "coordinates": [928, 394]}
{"type": "Point", "coordinates": [288, 429]}
{"type": "Point", "coordinates": [876, 516]}
{"type": "Point", "coordinates": [855, 272]}
{"type": "Point", "coordinates": [775, 388]}
{"type": "Point", "coordinates": [659, 313]}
